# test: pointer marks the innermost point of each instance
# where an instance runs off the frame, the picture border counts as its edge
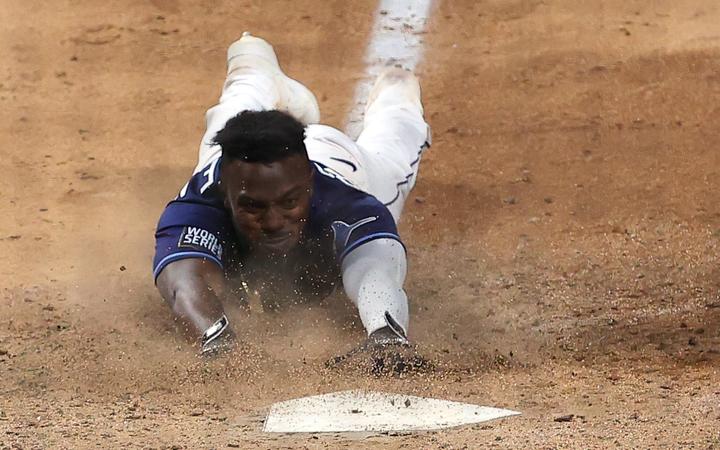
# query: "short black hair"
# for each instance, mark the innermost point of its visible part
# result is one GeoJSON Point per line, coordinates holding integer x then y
{"type": "Point", "coordinates": [261, 137]}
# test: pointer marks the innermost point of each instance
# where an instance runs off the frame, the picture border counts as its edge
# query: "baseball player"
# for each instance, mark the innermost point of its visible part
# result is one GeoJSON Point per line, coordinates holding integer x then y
{"type": "Point", "coordinates": [300, 206]}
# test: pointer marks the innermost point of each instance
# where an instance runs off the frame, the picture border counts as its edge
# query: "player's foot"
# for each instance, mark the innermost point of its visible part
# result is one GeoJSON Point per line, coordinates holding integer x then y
{"type": "Point", "coordinates": [250, 52]}
{"type": "Point", "coordinates": [394, 85]}
{"type": "Point", "coordinates": [397, 87]}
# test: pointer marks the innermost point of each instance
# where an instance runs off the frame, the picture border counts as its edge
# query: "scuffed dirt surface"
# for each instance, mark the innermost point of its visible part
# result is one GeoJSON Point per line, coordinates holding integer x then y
{"type": "Point", "coordinates": [563, 236]}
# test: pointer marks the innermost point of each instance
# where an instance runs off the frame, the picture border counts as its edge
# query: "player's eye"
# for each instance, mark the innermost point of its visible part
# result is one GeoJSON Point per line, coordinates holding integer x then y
{"type": "Point", "coordinates": [289, 203]}
{"type": "Point", "coordinates": [250, 206]}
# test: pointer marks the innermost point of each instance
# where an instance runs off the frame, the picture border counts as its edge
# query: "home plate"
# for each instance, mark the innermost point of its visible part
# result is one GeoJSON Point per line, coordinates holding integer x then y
{"type": "Point", "coordinates": [350, 411]}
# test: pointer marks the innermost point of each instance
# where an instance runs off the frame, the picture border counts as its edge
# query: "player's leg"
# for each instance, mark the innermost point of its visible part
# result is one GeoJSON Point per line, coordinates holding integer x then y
{"type": "Point", "coordinates": [393, 138]}
{"type": "Point", "coordinates": [337, 154]}
{"type": "Point", "coordinates": [255, 82]}
{"type": "Point", "coordinates": [385, 159]}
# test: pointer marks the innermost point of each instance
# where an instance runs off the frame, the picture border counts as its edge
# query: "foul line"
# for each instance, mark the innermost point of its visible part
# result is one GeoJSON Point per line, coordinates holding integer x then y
{"type": "Point", "coordinates": [397, 35]}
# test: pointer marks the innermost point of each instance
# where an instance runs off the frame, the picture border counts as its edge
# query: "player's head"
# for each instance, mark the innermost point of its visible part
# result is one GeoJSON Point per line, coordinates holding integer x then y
{"type": "Point", "coordinates": [266, 177]}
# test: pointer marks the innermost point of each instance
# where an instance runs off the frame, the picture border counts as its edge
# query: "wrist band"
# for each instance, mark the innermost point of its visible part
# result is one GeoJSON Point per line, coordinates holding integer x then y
{"type": "Point", "coordinates": [396, 328]}
{"type": "Point", "coordinates": [215, 330]}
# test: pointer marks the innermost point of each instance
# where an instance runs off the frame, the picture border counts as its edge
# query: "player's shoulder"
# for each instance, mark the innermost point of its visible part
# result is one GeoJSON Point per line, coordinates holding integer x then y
{"type": "Point", "coordinates": [199, 202]}
{"type": "Point", "coordinates": [203, 185]}
{"type": "Point", "coordinates": [332, 188]}
{"type": "Point", "coordinates": [351, 216]}
{"type": "Point", "coordinates": [337, 199]}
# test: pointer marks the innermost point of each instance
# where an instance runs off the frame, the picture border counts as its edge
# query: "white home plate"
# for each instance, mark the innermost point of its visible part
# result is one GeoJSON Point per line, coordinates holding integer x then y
{"type": "Point", "coordinates": [373, 411]}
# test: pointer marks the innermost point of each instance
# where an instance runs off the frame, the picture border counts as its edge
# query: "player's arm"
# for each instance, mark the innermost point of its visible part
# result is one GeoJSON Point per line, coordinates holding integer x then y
{"type": "Point", "coordinates": [193, 287]}
{"type": "Point", "coordinates": [188, 266]}
{"type": "Point", "coordinates": [373, 275]}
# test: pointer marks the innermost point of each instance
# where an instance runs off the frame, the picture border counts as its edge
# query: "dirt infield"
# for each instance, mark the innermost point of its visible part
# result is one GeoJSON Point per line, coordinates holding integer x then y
{"type": "Point", "coordinates": [563, 235]}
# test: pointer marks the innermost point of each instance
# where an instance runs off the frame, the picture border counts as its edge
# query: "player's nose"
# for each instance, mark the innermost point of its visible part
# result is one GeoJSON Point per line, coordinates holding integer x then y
{"type": "Point", "coordinates": [272, 221]}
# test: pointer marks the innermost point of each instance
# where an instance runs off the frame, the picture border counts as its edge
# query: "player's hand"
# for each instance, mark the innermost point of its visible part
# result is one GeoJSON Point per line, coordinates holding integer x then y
{"type": "Point", "coordinates": [384, 352]}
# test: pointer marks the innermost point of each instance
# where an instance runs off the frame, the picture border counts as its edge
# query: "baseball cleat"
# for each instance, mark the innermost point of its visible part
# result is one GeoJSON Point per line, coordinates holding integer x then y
{"type": "Point", "coordinates": [253, 53]}
{"type": "Point", "coordinates": [394, 85]}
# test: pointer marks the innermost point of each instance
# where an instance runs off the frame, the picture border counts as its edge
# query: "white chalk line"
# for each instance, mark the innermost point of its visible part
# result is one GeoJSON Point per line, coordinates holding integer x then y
{"type": "Point", "coordinates": [398, 36]}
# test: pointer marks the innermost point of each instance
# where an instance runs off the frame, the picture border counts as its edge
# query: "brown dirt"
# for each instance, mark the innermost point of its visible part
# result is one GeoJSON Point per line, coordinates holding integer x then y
{"type": "Point", "coordinates": [563, 245]}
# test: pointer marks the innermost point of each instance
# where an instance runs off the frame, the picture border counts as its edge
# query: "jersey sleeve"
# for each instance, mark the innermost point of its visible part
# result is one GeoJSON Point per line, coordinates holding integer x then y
{"type": "Point", "coordinates": [363, 220]}
{"type": "Point", "coordinates": [194, 225]}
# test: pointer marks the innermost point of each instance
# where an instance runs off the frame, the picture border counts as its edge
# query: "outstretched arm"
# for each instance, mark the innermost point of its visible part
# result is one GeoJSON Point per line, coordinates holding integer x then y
{"type": "Point", "coordinates": [373, 276]}
{"type": "Point", "coordinates": [193, 288]}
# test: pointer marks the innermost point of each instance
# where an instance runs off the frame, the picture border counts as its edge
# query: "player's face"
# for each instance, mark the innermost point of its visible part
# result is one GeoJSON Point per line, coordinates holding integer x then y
{"type": "Point", "coordinates": [269, 203]}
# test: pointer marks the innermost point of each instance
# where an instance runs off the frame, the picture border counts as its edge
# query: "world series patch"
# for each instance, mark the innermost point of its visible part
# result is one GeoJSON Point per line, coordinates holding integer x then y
{"type": "Point", "coordinates": [201, 239]}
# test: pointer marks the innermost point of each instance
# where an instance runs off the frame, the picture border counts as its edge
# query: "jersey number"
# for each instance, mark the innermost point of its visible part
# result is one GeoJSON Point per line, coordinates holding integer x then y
{"type": "Point", "coordinates": [210, 179]}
